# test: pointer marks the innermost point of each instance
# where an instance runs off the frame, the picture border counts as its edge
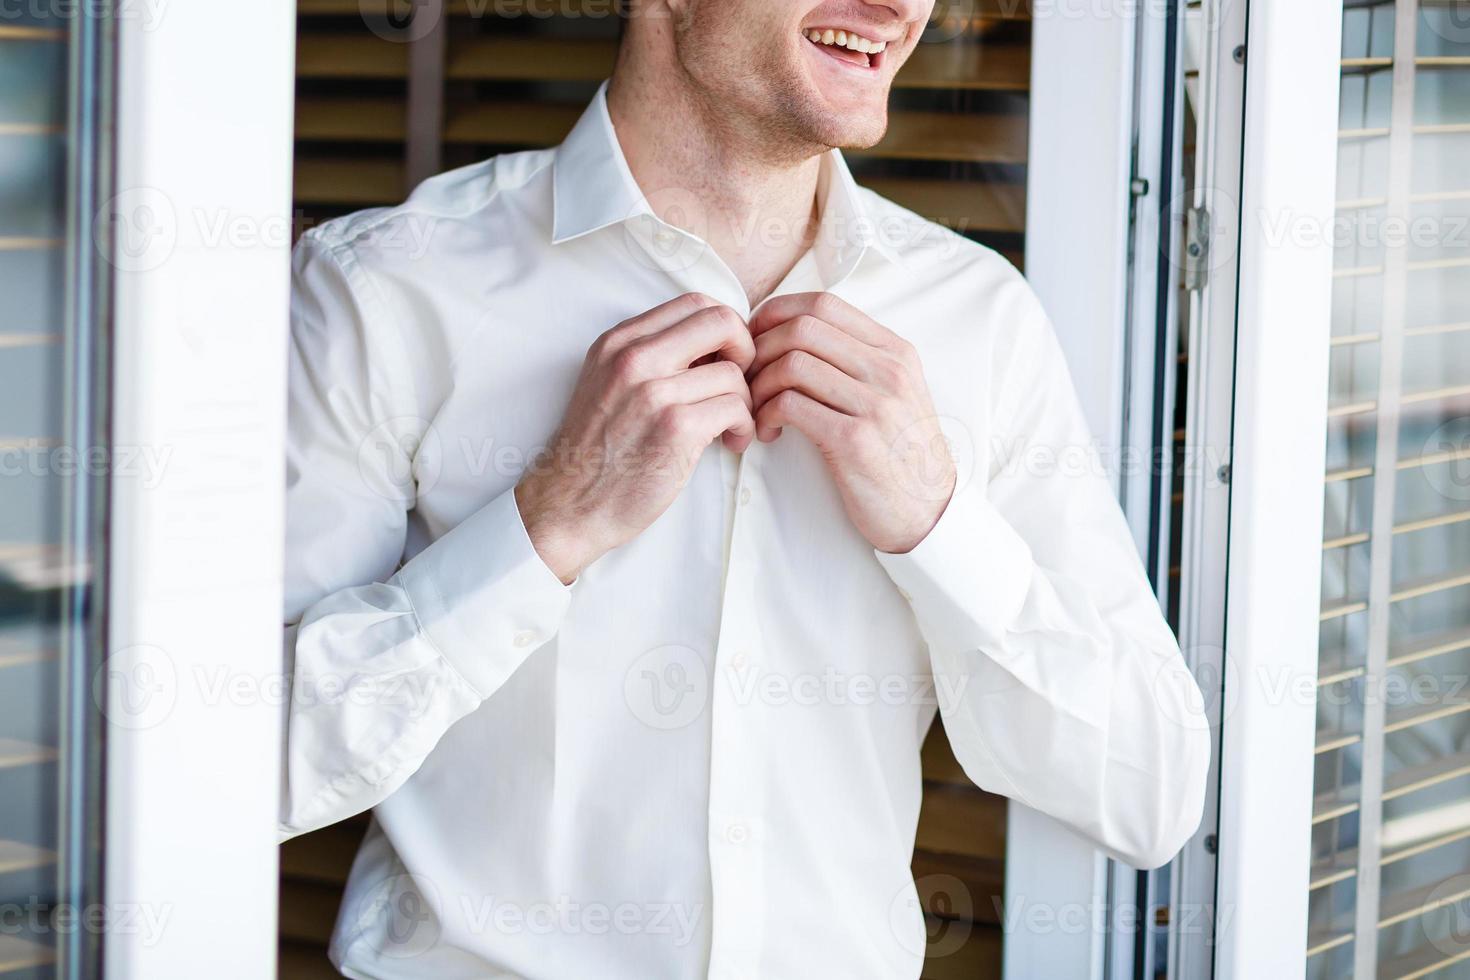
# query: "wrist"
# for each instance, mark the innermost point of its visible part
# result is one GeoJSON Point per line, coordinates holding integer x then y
{"type": "Point", "coordinates": [924, 524]}
{"type": "Point", "coordinates": [560, 548]}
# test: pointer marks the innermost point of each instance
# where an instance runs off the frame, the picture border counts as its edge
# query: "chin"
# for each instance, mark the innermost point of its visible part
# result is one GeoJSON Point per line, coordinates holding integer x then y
{"type": "Point", "coordinates": [862, 137]}
{"type": "Point", "coordinates": [816, 114]}
{"type": "Point", "coordinates": [855, 128]}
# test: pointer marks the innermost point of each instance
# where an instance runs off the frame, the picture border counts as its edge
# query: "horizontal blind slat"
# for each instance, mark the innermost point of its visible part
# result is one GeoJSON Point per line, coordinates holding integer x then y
{"type": "Point", "coordinates": [21, 954]}
{"type": "Point", "coordinates": [348, 181]}
{"type": "Point", "coordinates": [19, 856]}
{"type": "Point", "coordinates": [963, 205]}
{"type": "Point", "coordinates": [350, 56]}
{"type": "Point", "coordinates": [346, 119]}
{"type": "Point", "coordinates": [15, 753]}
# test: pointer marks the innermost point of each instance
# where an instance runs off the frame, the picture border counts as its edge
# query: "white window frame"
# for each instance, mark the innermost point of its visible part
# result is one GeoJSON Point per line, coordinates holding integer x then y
{"type": "Point", "coordinates": [192, 704]}
{"type": "Point", "coordinates": [1261, 397]}
{"type": "Point", "coordinates": [1077, 229]}
{"type": "Point", "coordinates": [1275, 551]}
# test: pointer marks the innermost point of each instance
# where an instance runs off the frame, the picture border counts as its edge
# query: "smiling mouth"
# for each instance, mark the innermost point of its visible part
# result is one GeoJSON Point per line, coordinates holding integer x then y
{"type": "Point", "coordinates": [848, 47]}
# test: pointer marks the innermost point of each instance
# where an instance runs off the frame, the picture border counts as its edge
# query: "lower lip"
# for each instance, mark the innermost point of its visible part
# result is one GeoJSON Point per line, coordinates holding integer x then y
{"type": "Point", "coordinates": [875, 60]}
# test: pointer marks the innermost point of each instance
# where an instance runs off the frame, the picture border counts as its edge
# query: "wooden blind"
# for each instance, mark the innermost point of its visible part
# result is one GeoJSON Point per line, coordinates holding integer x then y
{"type": "Point", "coordinates": [383, 101]}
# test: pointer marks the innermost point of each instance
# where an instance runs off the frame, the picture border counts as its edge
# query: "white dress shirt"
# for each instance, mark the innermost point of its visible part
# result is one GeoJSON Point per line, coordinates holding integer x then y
{"type": "Point", "coordinates": [702, 757]}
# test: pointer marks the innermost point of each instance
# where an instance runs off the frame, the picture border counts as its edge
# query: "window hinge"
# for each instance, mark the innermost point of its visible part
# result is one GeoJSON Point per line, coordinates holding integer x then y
{"type": "Point", "coordinates": [1196, 248]}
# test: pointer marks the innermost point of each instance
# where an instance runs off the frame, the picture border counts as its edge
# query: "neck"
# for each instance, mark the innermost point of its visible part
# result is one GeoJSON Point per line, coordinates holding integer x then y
{"type": "Point", "coordinates": [700, 172]}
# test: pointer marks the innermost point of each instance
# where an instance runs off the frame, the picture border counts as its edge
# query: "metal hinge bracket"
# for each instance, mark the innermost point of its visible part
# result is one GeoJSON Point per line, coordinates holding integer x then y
{"type": "Point", "coordinates": [1196, 248]}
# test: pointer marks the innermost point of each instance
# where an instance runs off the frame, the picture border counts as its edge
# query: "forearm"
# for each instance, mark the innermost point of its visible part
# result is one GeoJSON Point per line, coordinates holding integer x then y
{"type": "Point", "coordinates": [379, 672]}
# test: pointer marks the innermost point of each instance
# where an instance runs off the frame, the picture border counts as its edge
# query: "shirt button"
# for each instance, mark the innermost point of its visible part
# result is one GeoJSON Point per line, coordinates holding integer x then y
{"type": "Point", "coordinates": [525, 638]}
{"type": "Point", "coordinates": [664, 237]}
{"type": "Point", "coordinates": [740, 661]}
{"type": "Point", "coordinates": [745, 495]}
{"type": "Point", "coordinates": [737, 833]}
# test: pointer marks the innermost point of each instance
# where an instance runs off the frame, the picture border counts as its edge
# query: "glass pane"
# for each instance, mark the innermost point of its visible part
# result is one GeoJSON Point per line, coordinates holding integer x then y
{"type": "Point", "coordinates": [1391, 833]}
{"type": "Point", "coordinates": [47, 621]}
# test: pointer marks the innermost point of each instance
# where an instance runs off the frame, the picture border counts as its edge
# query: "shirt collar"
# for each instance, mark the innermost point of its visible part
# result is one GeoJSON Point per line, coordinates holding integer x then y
{"type": "Point", "coordinates": [593, 188]}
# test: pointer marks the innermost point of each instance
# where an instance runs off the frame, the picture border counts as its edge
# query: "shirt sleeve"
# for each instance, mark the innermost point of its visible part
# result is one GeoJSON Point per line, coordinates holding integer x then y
{"type": "Point", "coordinates": [1059, 680]}
{"type": "Point", "coordinates": [381, 659]}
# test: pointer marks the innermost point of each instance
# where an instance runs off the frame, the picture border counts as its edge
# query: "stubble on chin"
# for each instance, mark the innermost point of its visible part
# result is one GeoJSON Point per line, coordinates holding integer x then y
{"type": "Point", "coordinates": [772, 103]}
{"type": "Point", "coordinates": [806, 126]}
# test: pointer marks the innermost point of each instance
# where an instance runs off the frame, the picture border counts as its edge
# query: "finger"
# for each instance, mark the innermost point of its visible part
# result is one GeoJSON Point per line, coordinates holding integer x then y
{"type": "Point", "coordinates": [659, 318]}
{"type": "Point", "coordinates": [818, 337]}
{"type": "Point", "coordinates": [824, 306]}
{"type": "Point", "coordinates": [713, 330]}
{"type": "Point", "coordinates": [723, 415]}
{"type": "Point", "coordinates": [697, 384]}
{"type": "Point", "coordinates": [819, 423]}
{"type": "Point", "coordinates": [812, 376]}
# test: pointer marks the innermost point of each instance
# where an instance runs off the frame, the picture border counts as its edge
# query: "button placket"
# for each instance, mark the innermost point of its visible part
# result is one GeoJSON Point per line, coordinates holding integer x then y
{"type": "Point", "coordinates": [737, 746]}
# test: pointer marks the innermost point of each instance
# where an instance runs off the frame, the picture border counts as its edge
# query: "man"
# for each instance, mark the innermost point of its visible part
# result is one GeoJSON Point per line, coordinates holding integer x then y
{"type": "Point", "coordinates": [643, 517]}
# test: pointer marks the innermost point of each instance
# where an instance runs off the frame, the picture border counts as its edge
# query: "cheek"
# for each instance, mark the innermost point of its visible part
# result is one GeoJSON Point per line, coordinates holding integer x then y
{"type": "Point", "coordinates": [729, 60]}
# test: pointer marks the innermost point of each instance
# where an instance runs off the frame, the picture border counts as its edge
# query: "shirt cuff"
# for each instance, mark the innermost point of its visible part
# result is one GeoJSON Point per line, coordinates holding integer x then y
{"type": "Point", "coordinates": [970, 575]}
{"type": "Point", "coordinates": [483, 596]}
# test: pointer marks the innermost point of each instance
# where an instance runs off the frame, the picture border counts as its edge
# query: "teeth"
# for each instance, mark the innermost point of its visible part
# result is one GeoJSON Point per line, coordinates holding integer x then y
{"type": "Point", "coordinates": [842, 39]}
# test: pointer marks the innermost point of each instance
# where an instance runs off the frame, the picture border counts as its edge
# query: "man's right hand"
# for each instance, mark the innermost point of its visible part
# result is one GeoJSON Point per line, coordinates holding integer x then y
{"type": "Point", "coordinates": [654, 392]}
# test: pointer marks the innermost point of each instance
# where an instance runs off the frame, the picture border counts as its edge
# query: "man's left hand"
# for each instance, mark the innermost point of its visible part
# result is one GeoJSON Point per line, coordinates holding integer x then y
{"type": "Point", "coordinates": [857, 391]}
